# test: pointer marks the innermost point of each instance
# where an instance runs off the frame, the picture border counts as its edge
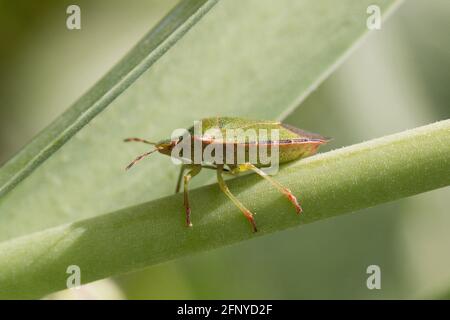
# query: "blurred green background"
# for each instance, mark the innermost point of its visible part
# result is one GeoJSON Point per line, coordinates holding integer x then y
{"type": "Point", "coordinates": [396, 79]}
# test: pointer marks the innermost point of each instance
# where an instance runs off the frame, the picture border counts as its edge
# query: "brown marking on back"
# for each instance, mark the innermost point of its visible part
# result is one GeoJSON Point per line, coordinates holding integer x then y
{"type": "Point", "coordinates": [309, 135]}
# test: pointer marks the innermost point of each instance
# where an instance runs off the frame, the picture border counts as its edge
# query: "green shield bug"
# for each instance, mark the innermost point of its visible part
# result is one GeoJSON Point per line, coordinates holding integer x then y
{"type": "Point", "coordinates": [231, 144]}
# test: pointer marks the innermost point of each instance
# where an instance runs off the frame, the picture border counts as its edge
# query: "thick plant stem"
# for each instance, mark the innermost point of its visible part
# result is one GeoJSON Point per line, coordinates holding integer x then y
{"type": "Point", "coordinates": [327, 185]}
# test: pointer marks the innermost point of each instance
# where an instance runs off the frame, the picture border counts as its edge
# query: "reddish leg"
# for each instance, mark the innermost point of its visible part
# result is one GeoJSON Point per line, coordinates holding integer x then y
{"type": "Point", "coordinates": [281, 188]}
{"type": "Point", "coordinates": [180, 177]}
{"type": "Point", "coordinates": [192, 173]}
{"type": "Point", "coordinates": [227, 191]}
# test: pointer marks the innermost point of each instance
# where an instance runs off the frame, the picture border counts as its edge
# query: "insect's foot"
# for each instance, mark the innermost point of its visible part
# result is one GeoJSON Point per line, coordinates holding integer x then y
{"type": "Point", "coordinates": [252, 221]}
{"type": "Point", "coordinates": [294, 201]}
{"type": "Point", "coordinates": [188, 217]}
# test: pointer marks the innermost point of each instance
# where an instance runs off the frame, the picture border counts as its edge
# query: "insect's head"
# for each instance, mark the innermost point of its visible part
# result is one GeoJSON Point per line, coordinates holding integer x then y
{"type": "Point", "coordinates": [166, 146]}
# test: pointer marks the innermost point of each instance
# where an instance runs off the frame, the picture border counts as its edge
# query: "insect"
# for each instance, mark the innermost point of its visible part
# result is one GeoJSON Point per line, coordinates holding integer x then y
{"type": "Point", "coordinates": [292, 143]}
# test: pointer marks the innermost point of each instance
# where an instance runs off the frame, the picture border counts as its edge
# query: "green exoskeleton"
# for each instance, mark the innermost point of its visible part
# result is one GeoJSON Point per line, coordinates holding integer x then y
{"type": "Point", "coordinates": [291, 143]}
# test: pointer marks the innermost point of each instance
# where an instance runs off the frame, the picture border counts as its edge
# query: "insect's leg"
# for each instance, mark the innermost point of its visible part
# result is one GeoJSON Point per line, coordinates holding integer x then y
{"type": "Point", "coordinates": [192, 173]}
{"type": "Point", "coordinates": [227, 191]}
{"type": "Point", "coordinates": [275, 183]}
{"type": "Point", "coordinates": [180, 177]}
{"type": "Point", "coordinates": [185, 166]}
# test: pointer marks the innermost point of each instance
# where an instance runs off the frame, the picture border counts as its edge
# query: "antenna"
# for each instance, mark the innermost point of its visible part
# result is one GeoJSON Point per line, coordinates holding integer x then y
{"type": "Point", "coordinates": [139, 140]}
{"type": "Point", "coordinates": [140, 158]}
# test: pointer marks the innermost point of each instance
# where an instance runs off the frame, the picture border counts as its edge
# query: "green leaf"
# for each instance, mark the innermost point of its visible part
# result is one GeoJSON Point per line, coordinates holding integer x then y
{"type": "Point", "coordinates": [137, 61]}
{"type": "Point", "coordinates": [328, 185]}
{"type": "Point", "coordinates": [258, 61]}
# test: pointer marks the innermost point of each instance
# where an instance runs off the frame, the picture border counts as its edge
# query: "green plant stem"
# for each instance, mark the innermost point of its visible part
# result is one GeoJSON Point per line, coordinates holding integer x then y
{"type": "Point", "coordinates": [327, 185]}
{"type": "Point", "coordinates": [139, 59]}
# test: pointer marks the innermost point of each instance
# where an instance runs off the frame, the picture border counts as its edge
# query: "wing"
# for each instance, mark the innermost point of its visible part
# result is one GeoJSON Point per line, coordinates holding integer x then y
{"type": "Point", "coordinates": [306, 136]}
{"type": "Point", "coordinates": [231, 130]}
